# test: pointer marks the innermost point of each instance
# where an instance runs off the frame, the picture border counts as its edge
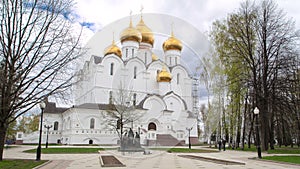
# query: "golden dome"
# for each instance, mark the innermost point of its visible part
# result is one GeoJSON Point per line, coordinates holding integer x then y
{"type": "Point", "coordinates": [163, 76]}
{"type": "Point", "coordinates": [130, 34]}
{"type": "Point", "coordinates": [147, 35]}
{"type": "Point", "coordinates": [172, 43]}
{"type": "Point", "coordinates": [113, 49]}
{"type": "Point", "coordinates": [154, 57]}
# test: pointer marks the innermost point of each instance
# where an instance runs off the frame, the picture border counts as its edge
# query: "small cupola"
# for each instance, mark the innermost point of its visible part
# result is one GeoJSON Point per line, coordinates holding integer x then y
{"type": "Point", "coordinates": [163, 76]}
{"type": "Point", "coordinates": [172, 43]}
{"type": "Point", "coordinates": [113, 49]}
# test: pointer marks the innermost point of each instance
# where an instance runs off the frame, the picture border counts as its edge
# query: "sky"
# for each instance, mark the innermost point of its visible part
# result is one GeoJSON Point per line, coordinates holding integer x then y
{"type": "Point", "coordinates": [102, 17]}
{"type": "Point", "coordinates": [200, 13]}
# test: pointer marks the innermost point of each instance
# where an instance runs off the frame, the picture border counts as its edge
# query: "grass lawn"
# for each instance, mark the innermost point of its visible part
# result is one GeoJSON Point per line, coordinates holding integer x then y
{"type": "Point", "coordinates": [277, 150]}
{"type": "Point", "coordinates": [252, 148]}
{"type": "Point", "coordinates": [187, 150]}
{"type": "Point", "coordinates": [20, 164]}
{"type": "Point", "coordinates": [70, 150]}
{"type": "Point", "coordinates": [289, 159]}
{"type": "Point", "coordinates": [285, 150]}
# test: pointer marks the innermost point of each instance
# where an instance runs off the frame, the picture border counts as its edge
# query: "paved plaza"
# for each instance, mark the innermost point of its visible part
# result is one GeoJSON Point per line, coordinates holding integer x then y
{"type": "Point", "coordinates": [157, 159]}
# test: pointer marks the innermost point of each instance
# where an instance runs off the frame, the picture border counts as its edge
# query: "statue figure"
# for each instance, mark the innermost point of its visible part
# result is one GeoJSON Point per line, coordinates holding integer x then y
{"type": "Point", "coordinates": [131, 142]}
{"type": "Point", "coordinates": [130, 137]}
{"type": "Point", "coordinates": [124, 140]}
{"type": "Point", "coordinates": [137, 140]}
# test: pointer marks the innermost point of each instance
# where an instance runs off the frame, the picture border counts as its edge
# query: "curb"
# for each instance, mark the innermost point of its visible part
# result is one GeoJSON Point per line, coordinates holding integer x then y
{"type": "Point", "coordinates": [215, 160]}
{"type": "Point", "coordinates": [42, 165]}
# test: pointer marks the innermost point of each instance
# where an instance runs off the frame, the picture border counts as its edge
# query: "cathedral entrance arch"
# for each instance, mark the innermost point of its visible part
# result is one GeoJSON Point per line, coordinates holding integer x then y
{"type": "Point", "coordinates": [152, 126]}
{"type": "Point", "coordinates": [90, 141]}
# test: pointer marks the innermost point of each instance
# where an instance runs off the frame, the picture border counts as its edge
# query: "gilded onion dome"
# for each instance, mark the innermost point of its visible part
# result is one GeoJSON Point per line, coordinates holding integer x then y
{"type": "Point", "coordinates": [154, 57]}
{"type": "Point", "coordinates": [147, 35]}
{"type": "Point", "coordinates": [130, 34]}
{"type": "Point", "coordinates": [172, 43]}
{"type": "Point", "coordinates": [113, 49]}
{"type": "Point", "coordinates": [163, 76]}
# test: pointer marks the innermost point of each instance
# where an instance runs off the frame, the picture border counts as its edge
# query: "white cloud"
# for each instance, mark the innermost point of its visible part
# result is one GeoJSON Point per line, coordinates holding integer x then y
{"type": "Point", "coordinates": [200, 13]}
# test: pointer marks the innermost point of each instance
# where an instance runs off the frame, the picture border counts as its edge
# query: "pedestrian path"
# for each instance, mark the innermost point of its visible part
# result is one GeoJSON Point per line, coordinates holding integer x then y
{"type": "Point", "coordinates": [156, 160]}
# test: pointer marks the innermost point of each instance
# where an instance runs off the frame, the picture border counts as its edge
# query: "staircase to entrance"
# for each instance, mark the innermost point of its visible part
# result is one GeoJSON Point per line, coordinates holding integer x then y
{"type": "Point", "coordinates": [168, 140]}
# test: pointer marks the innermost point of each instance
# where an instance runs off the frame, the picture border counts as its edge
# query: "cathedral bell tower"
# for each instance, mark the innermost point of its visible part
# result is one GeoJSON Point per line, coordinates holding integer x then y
{"type": "Point", "coordinates": [172, 49]}
{"type": "Point", "coordinates": [130, 40]}
{"type": "Point", "coordinates": [146, 44]}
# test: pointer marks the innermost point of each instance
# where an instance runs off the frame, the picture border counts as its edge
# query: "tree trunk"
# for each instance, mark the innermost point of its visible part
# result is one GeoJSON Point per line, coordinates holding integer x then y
{"type": "Point", "coordinates": [249, 137]}
{"type": "Point", "coordinates": [3, 129]}
{"type": "Point", "coordinates": [298, 140]}
{"type": "Point", "coordinates": [283, 131]}
{"type": "Point", "coordinates": [272, 126]}
{"type": "Point", "coordinates": [278, 132]}
{"type": "Point", "coordinates": [244, 122]}
{"type": "Point", "coordinates": [238, 131]}
{"type": "Point", "coordinates": [231, 137]}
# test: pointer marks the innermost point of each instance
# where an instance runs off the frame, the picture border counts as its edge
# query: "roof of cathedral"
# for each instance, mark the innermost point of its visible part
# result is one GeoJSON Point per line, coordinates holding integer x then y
{"type": "Point", "coordinates": [97, 59]}
{"type": "Point", "coordinates": [51, 108]}
{"type": "Point", "coordinates": [141, 104]}
{"type": "Point", "coordinates": [172, 92]}
{"type": "Point", "coordinates": [101, 106]}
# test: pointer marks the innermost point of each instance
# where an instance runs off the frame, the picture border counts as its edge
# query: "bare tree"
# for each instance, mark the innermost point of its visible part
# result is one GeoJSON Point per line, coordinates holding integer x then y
{"type": "Point", "coordinates": [276, 43]}
{"type": "Point", "coordinates": [38, 48]}
{"type": "Point", "coordinates": [122, 112]}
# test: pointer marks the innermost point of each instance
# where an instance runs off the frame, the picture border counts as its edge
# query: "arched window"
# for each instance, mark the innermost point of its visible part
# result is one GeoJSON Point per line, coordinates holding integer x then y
{"type": "Point", "coordinates": [126, 53]}
{"type": "Point", "coordinates": [92, 123]}
{"type": "Point", "coordinates": [132, 52]}
{"type": "Point", "coordinates": [55, 125]}
{"type": "Point", "coordinates": [134, 72]}
{"type": "Point", "coordinates": [134, 99]}
{"type": "Point", "coordinates": [146, 57]}
{"type": "Point", "coordinates": [178, 76]}
{"type": "Point", "coordinates": [152, 126]}
{"type": "Point", "coordinates": [110, 97]}
{"type": "Point", "coordinates": [111, 68]}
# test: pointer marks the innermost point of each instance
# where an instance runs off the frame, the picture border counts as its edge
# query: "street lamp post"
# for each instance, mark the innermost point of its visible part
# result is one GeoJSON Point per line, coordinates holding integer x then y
{"type": "Point", "coordinates": [256, 112]}
{"type": "Point", "coordinates": [189, 130]}
{"type": "Point", "coordinates": [47, 127]}
{"type": "Point", "coordinates": [38, 150]}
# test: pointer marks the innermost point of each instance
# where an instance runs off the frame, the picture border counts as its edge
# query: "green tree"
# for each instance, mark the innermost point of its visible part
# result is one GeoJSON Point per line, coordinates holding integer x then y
{"type": "Point", "coordinates": [213, 77]}
{"type": "Point", "coordinates": [257, 47]}
{"type": "Point", "coordinates": [28, 124]}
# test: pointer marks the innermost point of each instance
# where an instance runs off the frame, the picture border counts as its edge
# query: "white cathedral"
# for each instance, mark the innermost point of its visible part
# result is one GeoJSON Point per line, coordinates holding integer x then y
{"type": "Point", "coordinates": [161, 94]}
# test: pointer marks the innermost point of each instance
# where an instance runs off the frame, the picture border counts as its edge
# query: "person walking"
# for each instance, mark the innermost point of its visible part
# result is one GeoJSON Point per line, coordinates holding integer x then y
{"type": "Point", "coordinates": [224, 144]}
{"type": "Point", "coordinates": [220, 144]}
